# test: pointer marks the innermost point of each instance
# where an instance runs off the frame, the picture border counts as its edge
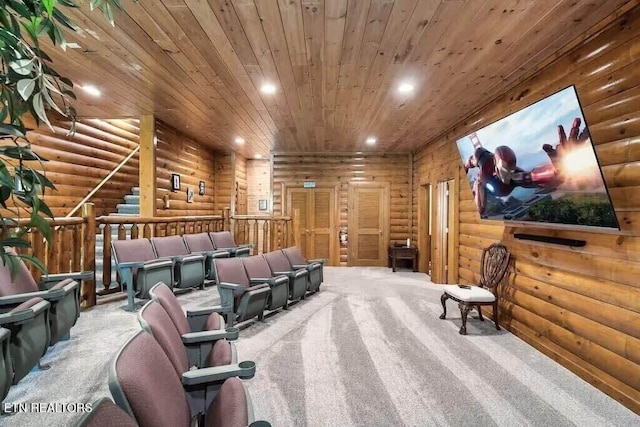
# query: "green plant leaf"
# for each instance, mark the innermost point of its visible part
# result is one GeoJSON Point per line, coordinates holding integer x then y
{"type": "Point", "coordinates": [38, 107]}
{"type": "Point", "coordinates": [95, 4]}
{"type": "Point", "coordinates": [25, 87]}
{"type": "Point", "coordinates": [16, 242]}
{"type": "Point", "coordinates": [7, 129]}
{"type": "Point", "coordinates": [24, 67]}
{"type": "Point", "coordinates": [48, 6]}
{"type": "Point", "coordinates": [108, 13]}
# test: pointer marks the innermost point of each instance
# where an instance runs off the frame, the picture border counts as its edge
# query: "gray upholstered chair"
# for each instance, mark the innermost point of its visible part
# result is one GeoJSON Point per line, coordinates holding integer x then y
{"type": "Point", "coordinates": [236, 291]}
{"type": "Point", "coordinates": [64, 295]}
{"type": "Point", "coordinates": [139, 267]}
{"type": "Point", "coordinates": [142, 383]}
{"type": "Point", "coordinates": [224, 240]}
{"type": "Point", "coordinates": [298, 279]}
{"type": "Point", "coordinates": [30, 334]}
{"type": "Point", "coordinates": [493, 267]}
{"type": "Point", "coordinates": [258, 271]}
{"type": "Point", "coordinates": [105, 413]}
{"type": "Point", "coordinates": [6, 367]}
{"type": "Point", "coordinates": [189, 268]}
{"type": "Point", "coordinates": [200, 330]}
{"type": "Point", "coordinates": [313, 266]}
{"type": "Point", "coordinates": [200, 243]}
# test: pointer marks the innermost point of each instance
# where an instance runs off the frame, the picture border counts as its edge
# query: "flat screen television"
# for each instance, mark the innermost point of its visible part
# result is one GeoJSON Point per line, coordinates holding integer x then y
{"type": "Point", "coordinates": [538, 165]}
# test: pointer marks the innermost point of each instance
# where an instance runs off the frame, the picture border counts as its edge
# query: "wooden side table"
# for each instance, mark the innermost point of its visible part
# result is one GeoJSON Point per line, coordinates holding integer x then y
{"type": "Point", "coordinates": [403, 252]}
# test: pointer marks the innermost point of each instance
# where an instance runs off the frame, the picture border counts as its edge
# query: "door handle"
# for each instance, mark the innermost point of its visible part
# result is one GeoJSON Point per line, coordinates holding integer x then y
{"type": "Point", "coordinates": [307, 231]}
{"type": "Point", "coordinates": [313, 230]}
{"type": "Point", "coordinates": [381, 232]}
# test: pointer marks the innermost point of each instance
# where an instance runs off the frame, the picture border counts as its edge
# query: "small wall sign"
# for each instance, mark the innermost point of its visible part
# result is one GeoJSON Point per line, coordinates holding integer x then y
{"type": "Point", "coordinates": [263, 204]}
{"type": "Point", "coordinates": [201, 188]}
{"type": "Point", "coordinates": [175, 182]}
{"type": "Point", "coordinates": [309, 184]}
{"type": "Point", "coordinates": [189, 195]}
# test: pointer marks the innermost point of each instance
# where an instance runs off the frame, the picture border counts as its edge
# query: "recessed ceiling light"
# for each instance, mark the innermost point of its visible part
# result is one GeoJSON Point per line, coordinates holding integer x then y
{"type": "Point", "coordinates": [406, 88]}
{"type": "Point", "coordinates": [268, 88]}
{"type": "Point", "coordinates": [371, 140]}
{"type": "Point", "coordinates": [239, 140]}
{"type": "Point", "coordinates": [91, 90]}
{"type": "Point", "coordinates": [258, 156]}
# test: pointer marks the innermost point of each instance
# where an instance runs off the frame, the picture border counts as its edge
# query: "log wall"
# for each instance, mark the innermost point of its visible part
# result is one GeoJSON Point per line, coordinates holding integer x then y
{"type": "Point", "coordinates": [258, 185]}
{"type": "Point", "coordinates": [77, 163]}
{"type": "Point", "coordinates": [194, 163]}
{"type": "Point", "coordinates": [293, 170]}
{"type": "Point", "coordinates": [580, 306]}
{"type": "Point", "coordinates": [224, 181]}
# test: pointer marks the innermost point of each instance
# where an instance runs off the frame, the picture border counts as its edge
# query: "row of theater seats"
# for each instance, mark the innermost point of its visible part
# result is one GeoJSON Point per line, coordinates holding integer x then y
{"type": "Point", "coordinates": [249, 286]}
{"type": "Point", "coordinates": [177, 371]}
{"type": "Point", "coordinates": [179, 261]}
{"type": "Point", "coordinates": [33, 317]}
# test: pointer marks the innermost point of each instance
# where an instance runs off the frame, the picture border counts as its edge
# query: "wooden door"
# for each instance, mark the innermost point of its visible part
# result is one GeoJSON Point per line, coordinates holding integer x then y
{"type": "Point", "coordinates": [445, 245]}
{"type": "Point", "coordinates": [368, 224]}
{"type": "Point", "coordinates": [318, 234]}
{"type": "Point", "coordinates": [425, 224]}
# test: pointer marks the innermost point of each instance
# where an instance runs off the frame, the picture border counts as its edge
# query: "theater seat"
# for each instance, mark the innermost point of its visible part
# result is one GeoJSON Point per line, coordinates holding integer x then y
{"type": "Point", "coordinates": [155, 319]}
{"type": "Point", "coordinates": [6, 367]}
{"type": "Point", "coordinates": [105, 413]}
{"type": "Point", "coordinates": [142, 382]}
{"type": "Point", "coordinates": [64, 295]}
{"type": "Point", "coordinates": [246, 300]}
{"type": "Point", "coordinates": [313, 266]}
{"type": "Point", "coordinates": [30, 334]}
{"type": "Point", "coordinates": [258, 271]}
{"type": "Point", "coordinates": [224, 240]}
{"type": "Point", "coordinates": [189, 268]}
{"type": "Point", "coordinates": [137, 262]}
{"type": "Point", "coordinates": [200, 243]}
{"type": "Point", "coordinates": [298, 279]}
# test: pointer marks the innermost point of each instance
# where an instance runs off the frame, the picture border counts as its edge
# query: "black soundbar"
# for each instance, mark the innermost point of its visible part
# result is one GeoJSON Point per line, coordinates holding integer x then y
{"type": "Point", "coordinates": [549, 239]}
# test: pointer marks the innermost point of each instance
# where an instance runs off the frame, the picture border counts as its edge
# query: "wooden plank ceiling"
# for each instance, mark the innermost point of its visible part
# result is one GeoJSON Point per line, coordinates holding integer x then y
{"type": "Point", "coordinates": [199, 65]}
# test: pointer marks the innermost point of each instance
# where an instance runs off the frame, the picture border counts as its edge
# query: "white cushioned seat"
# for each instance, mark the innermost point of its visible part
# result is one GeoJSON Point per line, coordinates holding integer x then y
{"type": "Point", "coordinates": [475, 294]}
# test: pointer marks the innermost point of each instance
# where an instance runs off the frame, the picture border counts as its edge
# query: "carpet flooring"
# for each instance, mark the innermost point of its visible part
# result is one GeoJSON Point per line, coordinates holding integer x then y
{"type": "Point", "coordinates": [367, 350]}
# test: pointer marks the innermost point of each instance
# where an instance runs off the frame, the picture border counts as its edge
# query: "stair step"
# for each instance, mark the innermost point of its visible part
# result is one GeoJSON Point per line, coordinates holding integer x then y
{"type": "Point", "coordinates": [128, 209]}
{"type": "Point", "coordinates": [132, 199]}
{"type": "Point", "coordinates": [135, 191]}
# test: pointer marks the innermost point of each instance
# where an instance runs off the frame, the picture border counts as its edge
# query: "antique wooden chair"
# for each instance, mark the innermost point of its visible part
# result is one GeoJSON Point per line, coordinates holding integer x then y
{"type": "Point", "coordinates": [494, 264]}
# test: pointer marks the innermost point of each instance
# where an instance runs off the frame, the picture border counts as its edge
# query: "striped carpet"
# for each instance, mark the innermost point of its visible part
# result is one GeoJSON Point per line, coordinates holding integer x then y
{"type": "Point", "coordinates": [369, 349]}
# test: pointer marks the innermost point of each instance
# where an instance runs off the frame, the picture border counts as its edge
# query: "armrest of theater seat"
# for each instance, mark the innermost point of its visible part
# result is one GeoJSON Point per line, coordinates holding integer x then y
{"type": "Point", "coordinates": [25, 314]}
{"type": "Point", "coordinates": [292, 274]}
{"type": "Point", "coordinates": [192, 338]}
{"type": "Point", "coordinates": [243, 370]}
{"type": "Point", "coordinates": [322, 261]}
{"type": "Point", "coordinates": [50, 295]}
{"type": "Point", "coordinates": [48, 280]}
{"type": "Point", "coordinates": [206, 311]}
{"type": "Point", "coordinates": [67, 286]}
{"type": "Point", "coordinates": [230, 286]}
{"type": "Point", "coordinates": [189, 258]}
{"type": "Point", "coordinates": [272, 281]}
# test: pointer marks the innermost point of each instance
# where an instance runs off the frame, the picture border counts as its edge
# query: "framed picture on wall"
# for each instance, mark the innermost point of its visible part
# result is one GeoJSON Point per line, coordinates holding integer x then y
{"type": "Point", "coordinates": [190, 195]}
{"type": "Point", "coordinates": [201, 188]}
{"type": "Point", "coordinates": [175, 182]}
{"type": "Point", "coordinates": [263, 204]}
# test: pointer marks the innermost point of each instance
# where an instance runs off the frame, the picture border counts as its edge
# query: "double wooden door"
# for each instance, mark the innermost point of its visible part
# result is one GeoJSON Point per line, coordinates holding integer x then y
{"type": "Point", "coordinates": [368, 224]}
{"type": "Point", "coordinates": [318, 211]}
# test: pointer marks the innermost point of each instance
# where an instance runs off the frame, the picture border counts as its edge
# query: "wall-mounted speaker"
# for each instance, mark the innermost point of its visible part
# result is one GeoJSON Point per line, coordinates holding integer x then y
{"type": "Point", "coordinates": [549, 239]}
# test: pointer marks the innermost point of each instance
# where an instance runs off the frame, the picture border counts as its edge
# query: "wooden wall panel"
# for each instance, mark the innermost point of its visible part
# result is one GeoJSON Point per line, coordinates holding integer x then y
{"type": "Point", "coordinates": [258, 185]}
{"type": "Point", "coordinates": [240, 185]}
{"type": "Point", "coordinates": [224, 181]}
{"type": "Point", "coordinates": [580, 306]}
{"type": "Point", "coordinates": [293, 170]}
{"type": "Point", "coordinates": [77, 163]}
{"type": "Point", "coordinates": [179, 154]}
